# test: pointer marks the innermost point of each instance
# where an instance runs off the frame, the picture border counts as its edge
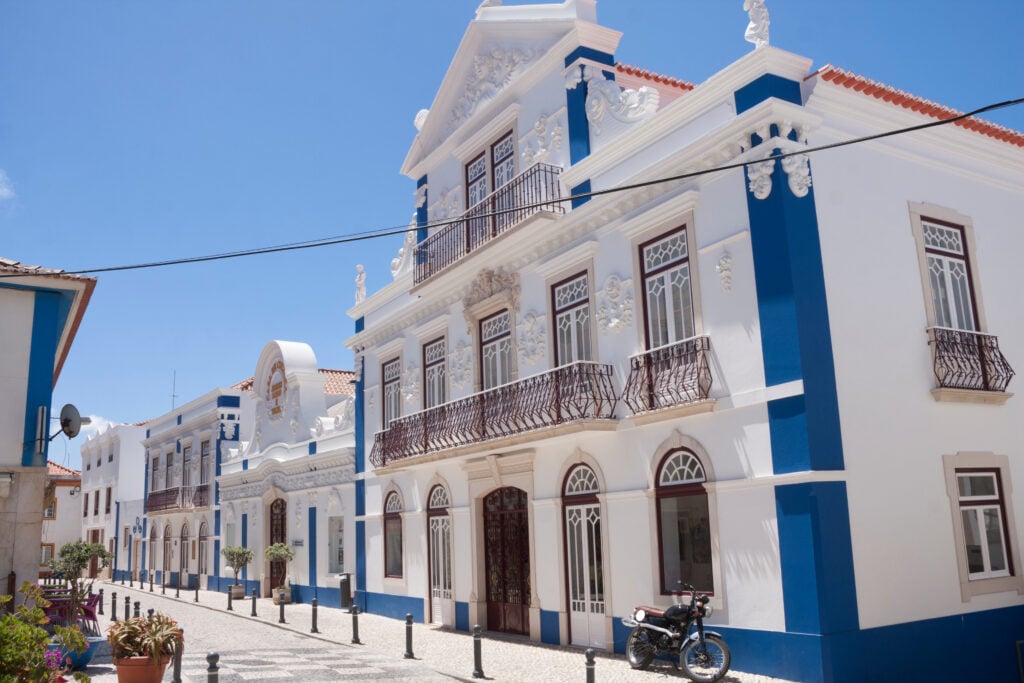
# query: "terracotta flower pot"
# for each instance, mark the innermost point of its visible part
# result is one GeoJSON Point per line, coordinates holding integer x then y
{"type": "Point", "coordinates": [237, 591]}
{"type": "Point", "coordinates": [141, 669]}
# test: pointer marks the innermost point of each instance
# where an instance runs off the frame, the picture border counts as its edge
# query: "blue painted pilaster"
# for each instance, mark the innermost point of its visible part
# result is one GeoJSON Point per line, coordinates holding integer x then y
{"type": "Point", "coordinates": [422, 218]}
{"type": "Point", "coordinates": [46, 330]}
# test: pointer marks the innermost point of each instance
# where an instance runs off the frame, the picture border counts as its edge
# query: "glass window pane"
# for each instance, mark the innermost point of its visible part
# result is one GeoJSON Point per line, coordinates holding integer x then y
{"type": "Point", "coordinates": [976, 485]}
{"type": "Point", "coordinates": [994, 538]}
{"type": "Point", "coordinates": [393, 542]}
{"type": "Point", "coordinates": [686, 541]}
{"type": "Point", "coordinates": [972, 541]}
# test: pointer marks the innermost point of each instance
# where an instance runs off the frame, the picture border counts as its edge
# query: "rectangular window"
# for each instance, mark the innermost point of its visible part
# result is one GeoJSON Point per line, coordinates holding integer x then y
{"type": "Point", "coordinates": [51, 510]}
{"type": "Point", "coordinates": [88, 465]}
{"type": "Point", "coordinates": [167, 471]}
{"type": "Point", "coordinates": [434, 393]}
{"type": "Point", "coordinates": [485, 174]}
{"type": "Point", "coordinates": [99, 461]}
{"type": "Point", "coordinates": [336, 544]}
{"type": "Point", "coordinates": [571, 304]}
{"type": "Point", "coordinates": [125, 537]}
{"type": "Point", "coordinates": [229, 534]}
{"type": "Point", "coordinates": [96, 503]}
{"type": "Point", "coordinates": [949, 275]}
{"type": "Point", "coordinates": [106, 506]}
{"type": "Point", "coordinates": [668, 303]}
{"type": "Point", "coordinates": [85, 505]}
{"type": "Point", "coordinates": [45, 554]}
{"type": "Point", "coordinates": [110, 456]}
{"type": "Point", "coordinates": [393, 545]}
{"type": "Point", "coordinates": [204, 462]}
{"type": "Point", "coordinates": [186, 465]}
{"type": "Point", "coordinates": [495, 350]}
{"type": "Point", "coordinates": [155, 468]}
{"type": "Point", "coordinates": [392, 372]}
{"type": "Point", "coordinates": [983, 523]}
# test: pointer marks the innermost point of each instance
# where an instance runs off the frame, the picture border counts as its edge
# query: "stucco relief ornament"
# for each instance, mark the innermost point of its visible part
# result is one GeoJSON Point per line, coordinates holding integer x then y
{"type": "Point", "coordinates": [489, 73]}
{"type": "Point", "coordinates": [420, 196]}
{"type": "Point", "coordinates": [532, 340]}
{"type": "Point", "coordinates": [757, 29]}
{"type": "Point", "coordinates": [402, 263]}
{"type": "Point", "coordinates": [490, 283]}
{"type": "Point", "coordinates": [615, 304]}
{"type": "Point", "coordinates": [798, 170]}
{"type": "Point", "coordinates": [724, 270]}
{"type": "Point", "coordinates": [459, 363]}
{"type": "Point", "coordinates": [448, 205]}
{"type": "Point", "coordinates": [547, 138]}
{"type": "Point", "coordinates": [411, 382]}
{"type": "Point", "coordinates": [759, 177]}
{"type": "Point", "coordinates": [605, 97]}
{"type": "Point", "coordinates": [360, 284]}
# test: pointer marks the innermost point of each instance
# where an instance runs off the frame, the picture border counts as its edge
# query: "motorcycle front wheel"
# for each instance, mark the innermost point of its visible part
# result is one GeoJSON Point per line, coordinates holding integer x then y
{"type": "Point", "coordinates": [705, 663]}
{"type": "Point", "coordinates": [639, 648]}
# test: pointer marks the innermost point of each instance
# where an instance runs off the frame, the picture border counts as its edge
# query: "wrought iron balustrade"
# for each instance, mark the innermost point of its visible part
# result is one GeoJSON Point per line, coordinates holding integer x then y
{"type": "Point", "coordinates": [200, 495]}
{"type": "Point", "coordinates": [532, 191]}
{"type": "Point", "coordinates": [669, 375]}
{"type": "Point", "coordinates": [968, 360]}
{"type": "Point", "coordinates": [580, 391]}
{"type": "Point", "coordinates": [165, 499]}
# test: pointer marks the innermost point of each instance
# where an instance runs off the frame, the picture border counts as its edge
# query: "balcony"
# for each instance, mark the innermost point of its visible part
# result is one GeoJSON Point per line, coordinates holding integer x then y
{"type": "Point", "coordinates": [532, 191]}
{"type": "Point", "coordinates": [671, 375]}
{"type": "Point", "coordinates": [178, 498]}
{"type": "Point", "coordinates": [966, 360]}
{"type": "Point", "coordinates": [572, 393]}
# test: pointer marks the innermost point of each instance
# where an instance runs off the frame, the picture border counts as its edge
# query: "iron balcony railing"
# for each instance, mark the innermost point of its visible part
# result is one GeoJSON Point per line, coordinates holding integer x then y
{"type": "Point", "coordinates": [968, 360]}
{"type": "Point", "coordinates": [669, 375]}
{"type": "Point", "coordinates": [579, 391]}
{"type": "Point", "coordinates": [532, 191]}
{"type": "Point", "coordinates": [178, 498]}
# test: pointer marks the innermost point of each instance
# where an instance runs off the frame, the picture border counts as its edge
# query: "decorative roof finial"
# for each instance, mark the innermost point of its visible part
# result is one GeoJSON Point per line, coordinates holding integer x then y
{"type": "Point", "coordinates": [757, 29]}
{"type": "Point", "coordinates": [360, 284]}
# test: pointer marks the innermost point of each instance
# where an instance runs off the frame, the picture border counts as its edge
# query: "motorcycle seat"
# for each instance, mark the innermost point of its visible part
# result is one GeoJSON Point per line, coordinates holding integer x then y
{"type": "Point", "coordinates": [656, 612]}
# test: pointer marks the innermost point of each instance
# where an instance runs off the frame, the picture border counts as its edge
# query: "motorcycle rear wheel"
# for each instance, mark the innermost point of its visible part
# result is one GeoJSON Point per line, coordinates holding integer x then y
{"type": "Point", "coordinates": [708, 663]}
{"type": "Point", "coordinates": [640, 650]}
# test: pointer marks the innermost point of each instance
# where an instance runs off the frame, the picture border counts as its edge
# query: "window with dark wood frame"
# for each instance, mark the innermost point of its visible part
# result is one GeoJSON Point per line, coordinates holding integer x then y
{"type": "Point", "coordinates": [393, 536]}
{"type": "Point", "coordinates": [684, 530]}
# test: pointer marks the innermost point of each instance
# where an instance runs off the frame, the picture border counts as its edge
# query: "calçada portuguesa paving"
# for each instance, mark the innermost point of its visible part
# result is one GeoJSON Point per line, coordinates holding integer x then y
{"type": "Point", "coordinates": [259, 648]}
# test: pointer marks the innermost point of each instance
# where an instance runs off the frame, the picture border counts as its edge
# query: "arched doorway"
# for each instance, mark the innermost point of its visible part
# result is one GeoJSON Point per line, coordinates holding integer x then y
{"type": "Point", "coordinates": [168, 536]}
{"type": "Point", "coordinates": [583, 557]}
{"type": "Point", "coordinates": [507, 560]}
{"type": "Point", "coordinates": [278, 534]}
{"type": "Point", "coordinates": [439, 530]}
{"type": "Point", "coordinates": [183, 555]}
{"type": "Point", "coordinates": [152, 552]}
{"type": "Point", "coordinates": [203, 570]}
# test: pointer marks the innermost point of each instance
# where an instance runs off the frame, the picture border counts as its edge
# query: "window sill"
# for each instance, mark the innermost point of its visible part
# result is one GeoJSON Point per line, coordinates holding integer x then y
{"type": "Point", "coordinates": [996, 398]}
{"type": "Point", "coordinates": [1002, 584]}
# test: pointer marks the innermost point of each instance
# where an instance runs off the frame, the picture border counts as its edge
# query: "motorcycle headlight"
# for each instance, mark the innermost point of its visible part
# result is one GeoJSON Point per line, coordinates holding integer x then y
{"type": "Point", "coordinates": [639, 615]}
{"type": "Point", "coordinates": [708, 610]}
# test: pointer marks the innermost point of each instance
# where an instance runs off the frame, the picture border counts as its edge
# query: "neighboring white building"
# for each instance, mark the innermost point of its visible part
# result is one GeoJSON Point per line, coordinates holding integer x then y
{"type": "Point", "coordinates": [113, 472]}
{"type": "Point", "coordinates": [40, 311]}
{"type": "Point", "coordinates": [183, 453]}
{"type": "Point", "coordinates": [291, 481]}
{"type": "Point", "coordinates": [61, 521]}
{"type": "Point", "coordinates": [784, 383]}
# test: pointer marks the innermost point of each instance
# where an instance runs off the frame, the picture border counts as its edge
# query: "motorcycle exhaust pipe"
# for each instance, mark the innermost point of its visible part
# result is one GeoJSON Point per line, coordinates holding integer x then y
{"type": "Point", "coordinates": [633, 623]}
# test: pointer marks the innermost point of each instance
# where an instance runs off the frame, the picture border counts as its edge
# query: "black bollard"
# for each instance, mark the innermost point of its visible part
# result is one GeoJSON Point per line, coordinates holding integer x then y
{"type": "Point", "coordinates": [478, 666]}
{"type": "Point", "coordinates": [136, 612]}
{"type": "Point", "coordinates": [122, 578]}
{"type": "Point", "coordinates": [176, 677]}
{"type": "Point", "coordinates": [127, 607]}
{"type": "Point", "coordinates": [151, 582]}
{"type": "Point", "coordinates": [163, 584]}
{"type": "Point", "coordinates": [408, 637]}
{"type": "Point", "coordinates": [113, 605]}
{"type": "Point", "coordinates": [253, 602]}
{"type": "Point", "coordinates": [149, 613]}
{"type": "Point", "coordinates": [355, 625]}
{"type": "Point", "coordinates": [589, 654]}
{"type": "Point", "coordinates": [314, 629]}
{"type": "Point", "coordinates": [131, 580]}
{"type": "Point", "coordinates": [177, 587]}
{"type": "Point", "coordinates": [211, 671]}
{"type": "Point", "coordinates": [280, 603]}
{"type": "Point", "coordinates": [196, 599]}
{"type": "Point", "coordinates": [229, 600]}
{"type": "Point", "coordinates": [101, 602]}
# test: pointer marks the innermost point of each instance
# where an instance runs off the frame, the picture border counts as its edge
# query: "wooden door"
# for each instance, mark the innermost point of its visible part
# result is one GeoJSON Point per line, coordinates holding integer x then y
{"type": "Point", "coordinates": [278, 534]}
{"type": "Point", "coordinates": [507, 560]}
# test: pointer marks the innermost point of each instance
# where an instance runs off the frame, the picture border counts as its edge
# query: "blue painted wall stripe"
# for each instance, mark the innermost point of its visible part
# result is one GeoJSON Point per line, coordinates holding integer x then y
{"type": "Point", "coordinates": [579, 127]}
{"type": "Point", "coordinates": [422, 218]}
{"type": "Point", "coordinates": [46, 330]}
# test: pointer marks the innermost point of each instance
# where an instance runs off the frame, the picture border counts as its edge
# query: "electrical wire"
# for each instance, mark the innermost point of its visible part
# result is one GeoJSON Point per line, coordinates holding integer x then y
{"type": "Point", "coordinates": [398, 230]}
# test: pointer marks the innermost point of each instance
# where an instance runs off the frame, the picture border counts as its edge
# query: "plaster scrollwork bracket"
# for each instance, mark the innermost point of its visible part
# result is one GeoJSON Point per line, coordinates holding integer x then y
{"type": "Point", "coordinates": [798, 170]}
{"type": "Point", "coordinates": [547, 138]}
{"type": "Point", "coordinates": [460, 364]}
{"type": "Point", "coordinates": [532, 340]}
{"type": "Point", "coordinates": [759, 178]}
{"type": "Point", "coordinates": [420, 196]}
{"type": "Point", "coordinates": [606, 97]}
{"type": "Point", "coordinates": [615, 304]}
{"type": "Point", "coordinates": [448, 205]}
{"type": "Point", "coordinates": [724, 270]}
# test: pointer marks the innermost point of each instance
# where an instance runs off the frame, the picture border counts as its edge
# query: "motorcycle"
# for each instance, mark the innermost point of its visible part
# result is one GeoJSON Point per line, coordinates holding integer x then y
{"type": "Point", "coordinates": [703, 655]}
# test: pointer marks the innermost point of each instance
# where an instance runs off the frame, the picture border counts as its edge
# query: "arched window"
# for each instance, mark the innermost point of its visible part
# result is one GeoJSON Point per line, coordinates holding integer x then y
{"type": "Point", "coordinates": [152, 548]}
{"type": "Point", "coordinates": [393, 535]}
{"type": "Point", "coordinates": [684, 530]}
{"type": "Point", "coordinates": [581, 481]}
{"type": "Point", "coordinates": [438, 502]}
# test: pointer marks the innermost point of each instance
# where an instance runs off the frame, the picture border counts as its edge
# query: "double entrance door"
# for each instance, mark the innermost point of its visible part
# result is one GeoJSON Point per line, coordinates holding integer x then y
{"type": "Point", "coordinates": [507, 561]}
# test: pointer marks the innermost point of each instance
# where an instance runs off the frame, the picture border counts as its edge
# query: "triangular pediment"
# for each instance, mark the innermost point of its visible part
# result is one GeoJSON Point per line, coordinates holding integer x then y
{"type": "Point", "coordinates": [500, 45]}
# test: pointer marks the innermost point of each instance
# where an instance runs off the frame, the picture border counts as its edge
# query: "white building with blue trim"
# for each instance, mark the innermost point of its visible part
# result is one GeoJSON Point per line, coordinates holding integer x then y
{"type": "Point", "coordinates": [40, 311]}
{"type": "Point", "coordinates": [782, 380]}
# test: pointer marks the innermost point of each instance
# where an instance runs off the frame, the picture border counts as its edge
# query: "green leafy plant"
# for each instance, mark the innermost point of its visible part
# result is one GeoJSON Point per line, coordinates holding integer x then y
{"type": "Point", "coordinates": [24, 655]}
{"type": "Point", "coordinates": [71, 561]}
{"type": "Point", "coordinates": [153, 636]}
{"type": "Point", "coordinates": [237, 557]}
{"type": "Point", "coordinates": [280, 552]}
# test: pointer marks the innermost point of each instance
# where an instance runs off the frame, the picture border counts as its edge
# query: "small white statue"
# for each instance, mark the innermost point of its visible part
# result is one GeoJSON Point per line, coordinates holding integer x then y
{"type": "Point", "coordinates": [757, 29]}
{"type": "Point", "coordinates": [360, 284]}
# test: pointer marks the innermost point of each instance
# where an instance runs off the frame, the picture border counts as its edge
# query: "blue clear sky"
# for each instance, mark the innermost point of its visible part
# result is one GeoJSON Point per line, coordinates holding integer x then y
{"type": "Point", "coordinates": [138, 131]}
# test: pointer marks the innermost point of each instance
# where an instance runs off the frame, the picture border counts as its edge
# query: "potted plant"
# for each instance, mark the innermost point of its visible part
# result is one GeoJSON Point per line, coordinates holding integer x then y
{"type": "Point", "coordinates": [26, 653]}
{"type": "Point", "coordinates": [280, 552]}
{"type": "Point", "coordinates": [141, 647]}
{"type": "Point", "coordinates": [237, 557]}
{"type": "Point", "coordinates": [74, 608]}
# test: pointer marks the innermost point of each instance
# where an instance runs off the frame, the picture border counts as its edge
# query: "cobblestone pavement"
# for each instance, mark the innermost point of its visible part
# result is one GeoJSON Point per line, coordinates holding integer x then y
{"type": "Point", "coordinates": [259, 648]}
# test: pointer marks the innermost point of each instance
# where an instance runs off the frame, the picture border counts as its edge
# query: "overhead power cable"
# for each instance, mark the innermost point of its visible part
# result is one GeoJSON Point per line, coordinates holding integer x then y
{"type": "Point", "coordinates": [398, 230]}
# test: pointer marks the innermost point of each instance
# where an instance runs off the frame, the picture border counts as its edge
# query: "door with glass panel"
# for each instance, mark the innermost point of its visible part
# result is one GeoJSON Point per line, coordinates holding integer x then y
{"type": "Point", "coordinates": [442, 605]}
{"type": "Point", "coordinates": [584, 559]}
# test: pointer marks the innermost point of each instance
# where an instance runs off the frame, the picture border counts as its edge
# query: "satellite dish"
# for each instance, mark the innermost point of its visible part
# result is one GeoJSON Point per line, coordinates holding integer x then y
{"type": "Point", "coordinates": [70, 421]}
